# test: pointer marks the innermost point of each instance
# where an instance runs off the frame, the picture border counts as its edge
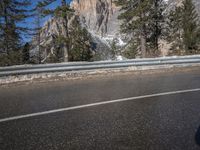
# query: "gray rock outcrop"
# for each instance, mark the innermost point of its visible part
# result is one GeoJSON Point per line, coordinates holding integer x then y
{"type": "Point", "coordinates": [100, 16]}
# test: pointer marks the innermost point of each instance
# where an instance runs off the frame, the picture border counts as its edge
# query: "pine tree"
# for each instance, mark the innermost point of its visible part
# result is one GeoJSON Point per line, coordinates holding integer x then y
{"type": "Point", "coordinates": [143, 20]}
{"type": "Point", "coordinates": [190, 26]}
{"type": "Point", "coordinates": [81, 42]}
{"type": "Point", "coordinates": [38, 15]}
{"type": "Point", "coordinates": [65, 12]}
{"type": "Point", "coordinates": [25, 53]}
{"type": "Point", "coordinates": [174, 30]}
{"type": "Point", "coordinates": [184, 28]}
{"type": "Point", "coordinates": [157, 21]}
{"type": "Point", "coordinates": [114, 48]}
{"type": "Point", "coordinates": [10, 39]}
{"type": "Point", "coordinates": [135, 16]}
{"type": "Point", "coordinates": [12, 14]}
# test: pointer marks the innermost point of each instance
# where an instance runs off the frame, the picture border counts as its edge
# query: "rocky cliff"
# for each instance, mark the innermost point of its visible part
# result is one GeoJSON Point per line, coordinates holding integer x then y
{"type": "Point", "coordinates": [99, 16]}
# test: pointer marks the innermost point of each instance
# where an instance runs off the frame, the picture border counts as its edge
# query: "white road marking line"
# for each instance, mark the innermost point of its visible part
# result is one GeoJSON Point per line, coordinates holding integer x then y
{"type": "Point", "coordinates": [96, 104]}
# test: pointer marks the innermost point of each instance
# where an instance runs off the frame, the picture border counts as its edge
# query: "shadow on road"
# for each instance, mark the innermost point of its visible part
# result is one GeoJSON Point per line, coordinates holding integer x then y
{"type": "Point", "coordinates": [197, 136]}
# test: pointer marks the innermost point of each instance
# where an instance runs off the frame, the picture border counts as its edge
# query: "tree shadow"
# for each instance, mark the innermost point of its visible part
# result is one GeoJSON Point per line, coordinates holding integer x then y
{"type": "Point", "coordinates": [197, 136]}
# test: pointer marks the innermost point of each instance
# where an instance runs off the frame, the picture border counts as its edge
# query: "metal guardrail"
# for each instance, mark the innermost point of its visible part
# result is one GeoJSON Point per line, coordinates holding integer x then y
{"type": "Point", "coordinates": [78, 66]}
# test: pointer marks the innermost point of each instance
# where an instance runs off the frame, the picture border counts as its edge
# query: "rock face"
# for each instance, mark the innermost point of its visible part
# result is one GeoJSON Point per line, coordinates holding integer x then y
{"type": "Point", "coordinates": [51, 29]}
{"type": "Point", "coordinates": [99, 16]}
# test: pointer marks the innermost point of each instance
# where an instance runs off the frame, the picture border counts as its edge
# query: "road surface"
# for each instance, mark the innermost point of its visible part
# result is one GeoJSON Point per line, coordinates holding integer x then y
{"type": "Point", "coordinates": [122, 112]}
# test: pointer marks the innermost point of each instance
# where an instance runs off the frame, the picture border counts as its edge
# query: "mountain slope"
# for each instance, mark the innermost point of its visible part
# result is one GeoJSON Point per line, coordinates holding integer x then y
{"type": "Point", "coordinates": [99, 17]}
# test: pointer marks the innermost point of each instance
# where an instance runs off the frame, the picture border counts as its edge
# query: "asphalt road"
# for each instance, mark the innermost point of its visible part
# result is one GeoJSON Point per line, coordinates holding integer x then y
{"type": "Point", "coordinates": [162, 122]}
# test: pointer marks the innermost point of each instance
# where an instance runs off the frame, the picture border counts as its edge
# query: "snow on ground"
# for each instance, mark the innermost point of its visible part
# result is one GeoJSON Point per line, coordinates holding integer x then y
{"type": "Point", "coordinates": [120, 58]}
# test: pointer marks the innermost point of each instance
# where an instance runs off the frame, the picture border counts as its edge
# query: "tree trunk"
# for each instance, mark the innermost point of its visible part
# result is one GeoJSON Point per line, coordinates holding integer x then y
{"type": "Point", "coordinates": [143, 41]}
{"type": "Point", "coordinates": [156, 26]}
{"type": "Point", "coordinates": [142, 33]}
{"type": "Point", "coordinates": [66, 56]}
{"type": "Point", "coordinates": [5, 29]}
{"type": "Point", "coordinates": [38, 36]}
{"type": "Point", "coordinates": [66, 45]}
{"type": "Point", "coordinates": [39, 49]}
{"type": "Point", "coordinates": [143, 46]}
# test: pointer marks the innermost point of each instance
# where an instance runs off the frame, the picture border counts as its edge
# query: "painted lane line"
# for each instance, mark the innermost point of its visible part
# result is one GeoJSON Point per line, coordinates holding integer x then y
{"type": "Point", "coordinates": [96, 104]}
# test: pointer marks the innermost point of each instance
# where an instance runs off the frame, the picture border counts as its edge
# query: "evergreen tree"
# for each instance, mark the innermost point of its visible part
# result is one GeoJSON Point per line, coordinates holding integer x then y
{"type": "Point", "coordinates": [38, 15]}
{"type": "Point", "coordinates": [174, 29]}
{"type": "Point", "coordinates": [143, 20]}
{"type": "Point", "coordinates": [114, 48]}
{"type": "Point", "coordinates": [81, 42]}
{"type": "Point", "coordinates": [12, 14]}
{"type": "Point", "coordinates": [135, 16]}
{"type": "Point", "coordinates": [128, 51]}
{"type": "Point", "coordinates": [66, 13]}
{"type": "Point", "coordinates": [10, 39]}
{"type": "Point", "coordinates": [25, 53]}
{"type": "Point", "coordinates": [157, 21]}
{"type": "Point", "coordinates": [190, 26]}
{"type": "Point", "coordinates": [184, 28]}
